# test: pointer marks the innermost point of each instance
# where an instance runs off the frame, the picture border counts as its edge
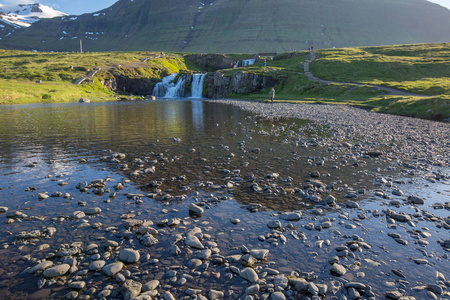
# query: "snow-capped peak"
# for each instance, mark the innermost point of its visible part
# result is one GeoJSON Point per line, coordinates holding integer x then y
{"type": "Point", "coordinates": [23, 15]}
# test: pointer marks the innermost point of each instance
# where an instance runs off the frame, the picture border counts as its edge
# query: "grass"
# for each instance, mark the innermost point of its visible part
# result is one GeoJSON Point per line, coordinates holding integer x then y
{"type": "Point", "coordinates": [57, 71]}
{"type": "Point", "coordinates": [421, 69]}
{"type": "Point", "coordinates": [20, 92]}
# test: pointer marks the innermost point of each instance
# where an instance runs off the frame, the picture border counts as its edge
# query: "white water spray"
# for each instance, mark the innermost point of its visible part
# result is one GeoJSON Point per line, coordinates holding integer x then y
{"type": "Point", "coordinates": [197, 85]}
{"type": "Point", "coordinates": [167, 88]}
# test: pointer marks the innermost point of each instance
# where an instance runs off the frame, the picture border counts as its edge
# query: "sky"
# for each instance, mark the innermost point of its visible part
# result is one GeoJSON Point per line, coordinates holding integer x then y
{"type": "Point", "coordinates": [70, 7]}
{"type": "Point", "coordinates": [79, 7]}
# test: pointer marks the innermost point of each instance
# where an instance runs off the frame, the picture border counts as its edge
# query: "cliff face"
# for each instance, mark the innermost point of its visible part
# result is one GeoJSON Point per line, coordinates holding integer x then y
{"type": "Point", "coordinates": [120, 83]}
{"type": "Point", "coordinates": [216, 85]}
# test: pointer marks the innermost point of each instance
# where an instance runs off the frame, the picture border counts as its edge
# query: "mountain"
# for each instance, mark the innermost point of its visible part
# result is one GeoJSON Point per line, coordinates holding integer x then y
{"type": "Point", "coordinates": [239, 26]}
{"type": "Point", "coordinates": [18, 16]}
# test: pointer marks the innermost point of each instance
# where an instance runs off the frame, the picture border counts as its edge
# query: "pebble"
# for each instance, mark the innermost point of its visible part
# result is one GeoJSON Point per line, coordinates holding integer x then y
{"type": "Point", "coordinates": [56, 271]}
{"type": "Point", "coordinates": [249, 274]}
{"type": "Point", "coordinates": [196, 210]}
{"type": "Point", "coordinates": [277, 296]}
{"type": "Point", "coordinates": [193, 242]}
{"type": "Point", "coordinates": [130, 289]}
{"type": "Point", "coordinates": [112, 269]}
{"type": "Point", "coordinates": [129, 255]}
{"type": "Point", "coordinates": [338, 270]}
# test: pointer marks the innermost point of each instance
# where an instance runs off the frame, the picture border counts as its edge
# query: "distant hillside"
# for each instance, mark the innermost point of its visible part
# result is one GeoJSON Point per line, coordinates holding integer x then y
{"type": "Point", "coordinates": [239, 26]}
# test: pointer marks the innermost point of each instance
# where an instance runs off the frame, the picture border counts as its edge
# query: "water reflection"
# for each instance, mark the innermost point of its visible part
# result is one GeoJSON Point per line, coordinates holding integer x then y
{"type": "Point", "coordinates": [49, 132]}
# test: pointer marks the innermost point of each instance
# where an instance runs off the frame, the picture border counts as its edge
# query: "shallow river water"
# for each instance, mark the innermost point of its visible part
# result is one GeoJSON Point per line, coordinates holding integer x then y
{"type": "Point", "coordinates": [244, 171]}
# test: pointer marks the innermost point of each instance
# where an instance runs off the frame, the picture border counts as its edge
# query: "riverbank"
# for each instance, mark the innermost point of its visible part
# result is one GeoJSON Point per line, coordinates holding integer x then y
{"type": "Point", "coordinates": [240, 200]}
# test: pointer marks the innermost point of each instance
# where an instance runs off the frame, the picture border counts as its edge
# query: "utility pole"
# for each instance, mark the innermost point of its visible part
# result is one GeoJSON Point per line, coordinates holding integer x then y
{"type": "Point", "coordinates": [81, 46]}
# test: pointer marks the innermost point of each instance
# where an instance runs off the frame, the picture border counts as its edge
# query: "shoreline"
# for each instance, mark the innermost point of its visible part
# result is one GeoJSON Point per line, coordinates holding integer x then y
{"type": "Point", "coordinates": [191, 236]}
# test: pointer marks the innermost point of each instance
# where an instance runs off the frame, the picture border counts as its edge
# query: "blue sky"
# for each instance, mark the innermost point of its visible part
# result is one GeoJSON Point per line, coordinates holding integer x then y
{"type": "Point", "coordinates": [79, 7]}
{"type": "Point", "coordinates": [71, 7]}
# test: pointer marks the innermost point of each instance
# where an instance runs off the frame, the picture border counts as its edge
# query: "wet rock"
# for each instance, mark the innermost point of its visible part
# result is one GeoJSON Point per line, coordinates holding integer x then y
{"type": "Point", "coordinates": [249, 274]}
{"type": "Point", "coordinates": [315, 174]}
{"type": "Point", "coordinates": [397, 192]}
{"type": "Point", "coordinates": [401, 217]}
{"type": "Point", "coordinates": [24, 235]}
{"type": "Point", "coordinates": [338, 270]}
{"type": "Point", "coordinates": [41, 266]}
{"type": "Point", "coordinates": [43, 196]}
{"type": "Point", "coordinates": [16, 215]}
{"type": "Point", "coordinates": [330, 200]}
{"type": "Point", "coordinates": [431, 295]}
{"type": "Point", "coordinates": [151, 285]}
{"type": "Point", "coordinates": [274, 224]}
{"type": "Point", "coordinates": [351, 204]}
{"type": "Point", "coordinates": [77, 285]}
{"type": "Point", "coordinates": [399, 273]}
{"type": "Point", "coordinates": [205, 254]}
{"type": "Point", "coordinates": [112, 269]}
{"type": "Point", "coordinates": [277, 296]}
{"type": "Point", "coordinates": [193, 242]}
{"type": "Point", "coordinates": [420, 261]}
{"type": "Point", "coordinates": [78, 215]}
{"type": "Point", "coordinates": [436, 288]}
{"type": "Point", "coordinates": [235, 221]}
{"type": "Point", "coordinates": [148, 240]}
{"type": "Point", "coordinates": [214, 295]}
{"type": "Point", "coordinates": [92, 211]}
{"type": "Point", "coordinates": [130, 289]}
{"type": "Point", "coordinates": [261, 254]}
{"type": "Point", "coordinates": [393, 295]}
{"type": "Point", "coordinates": [96, 265]}
{"type": "Point", "coordinates": [195, 210]}
{"type": "Point", "coordinates": [252, 290]}
{"type": "Point", "coordinates": [71, 295]}
{"type": "Point", "coordinates": [129, 255]}
{"type": "Point", "coordinates": [56, 271]}
{"type": "Point", "coordinates": [292, 216]}
{"type": "Point", "coordinates": [416, 200]}
{"type": "Point", "coordinates": [68, 252]}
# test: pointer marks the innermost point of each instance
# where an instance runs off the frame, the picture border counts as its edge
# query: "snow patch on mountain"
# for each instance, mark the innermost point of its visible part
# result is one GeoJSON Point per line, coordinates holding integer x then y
{"type": "Point", "coordinates": [23, 15]}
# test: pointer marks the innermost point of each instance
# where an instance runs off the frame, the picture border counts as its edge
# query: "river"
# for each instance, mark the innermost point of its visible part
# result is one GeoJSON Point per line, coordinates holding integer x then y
{"type": "Point", "coordinates": [242, 170]}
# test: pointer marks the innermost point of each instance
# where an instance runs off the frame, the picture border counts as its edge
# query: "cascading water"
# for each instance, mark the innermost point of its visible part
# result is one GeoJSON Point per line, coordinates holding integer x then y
{"type": "Point", "coordinates": [248, 62]}
{"type": "Point", "coordinates": [197, 85]}
{"type": "Point", "coordinates": [167, 88]}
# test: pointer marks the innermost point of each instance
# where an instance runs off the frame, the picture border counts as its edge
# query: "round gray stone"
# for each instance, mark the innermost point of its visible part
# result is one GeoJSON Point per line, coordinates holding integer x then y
{"type": "Point", "coordinates": [55, 271]}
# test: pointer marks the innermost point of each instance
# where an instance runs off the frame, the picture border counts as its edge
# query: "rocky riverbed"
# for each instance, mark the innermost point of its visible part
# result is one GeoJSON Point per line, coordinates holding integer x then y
{"type": "Point", "coordinates": [289, 202]}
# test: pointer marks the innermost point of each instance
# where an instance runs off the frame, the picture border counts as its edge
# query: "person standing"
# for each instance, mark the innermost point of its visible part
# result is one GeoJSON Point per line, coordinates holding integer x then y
{"type": "Point", "coordinates": [272, 94]}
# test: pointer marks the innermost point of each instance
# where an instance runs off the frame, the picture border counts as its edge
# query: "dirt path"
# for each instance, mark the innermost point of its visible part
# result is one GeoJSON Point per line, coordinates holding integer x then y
{"type": "Point", "coordinates": [391, 91]}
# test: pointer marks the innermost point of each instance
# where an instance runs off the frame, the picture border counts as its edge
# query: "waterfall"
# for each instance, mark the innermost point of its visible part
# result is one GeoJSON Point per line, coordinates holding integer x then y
{"type": "Point", "coordinates": [197, 85]}
{"type": "Point", "coordinates": [248, 62]}
{"type": "Point", "coordinates": [167, 88]}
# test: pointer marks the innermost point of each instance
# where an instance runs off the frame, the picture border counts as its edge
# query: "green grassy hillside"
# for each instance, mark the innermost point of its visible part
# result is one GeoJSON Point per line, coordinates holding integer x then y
{"type": "Point", "coordinates": [58, 71]}
{"type": "Point", "coordinates": [420, 69]}
{"type": "Point", "coordinates": [240, 26]}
